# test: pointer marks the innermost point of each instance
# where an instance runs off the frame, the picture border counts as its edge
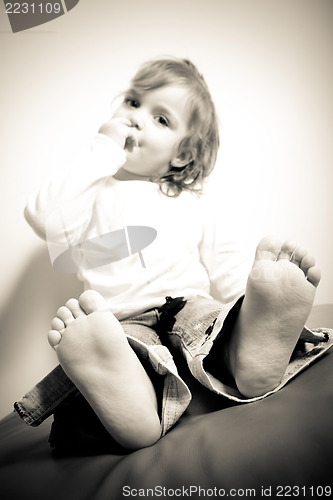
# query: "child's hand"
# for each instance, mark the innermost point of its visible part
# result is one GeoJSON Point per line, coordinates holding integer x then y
{"type": "Point", "coordinates": [121, 131]}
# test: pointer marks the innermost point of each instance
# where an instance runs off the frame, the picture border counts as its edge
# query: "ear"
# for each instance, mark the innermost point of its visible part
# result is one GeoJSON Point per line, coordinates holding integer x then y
{"type": "Point", "coordinates": [181, 160]}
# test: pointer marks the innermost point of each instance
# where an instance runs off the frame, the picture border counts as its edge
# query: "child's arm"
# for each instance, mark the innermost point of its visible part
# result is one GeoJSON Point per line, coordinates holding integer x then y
{"type": "Point", "coordinates": [67, 199]}
{"type": "Point", "coordinates": [71, 193]}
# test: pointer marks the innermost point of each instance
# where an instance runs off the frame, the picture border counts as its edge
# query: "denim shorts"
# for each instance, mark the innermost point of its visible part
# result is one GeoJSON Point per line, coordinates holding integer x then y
{"type": "Point", "coordinates": [198, 328]}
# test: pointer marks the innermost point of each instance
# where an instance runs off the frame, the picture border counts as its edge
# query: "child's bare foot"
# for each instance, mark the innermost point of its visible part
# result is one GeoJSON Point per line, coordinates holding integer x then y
{"type": "Point", "coordinates": [93, 351]}
{"type": "Point", "coordinates": [278, 299]}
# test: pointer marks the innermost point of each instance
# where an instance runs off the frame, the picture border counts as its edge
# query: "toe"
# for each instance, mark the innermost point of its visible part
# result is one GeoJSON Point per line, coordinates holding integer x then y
{"type": "Point", "coordinates": [268, 248]}
{"type": "Point", "coordinates": [65, 315]}
{"type": "Point", "coordinates": [58, 324]}
{"type": "Point", "coordinates": [91, 301]}
{"type": "Point", "coordinates": [287, 250]}
{"type": "Point", "coordinates": [298, 256]}
{"type": "Point", "coordinates": [314, 275]}
{"type": "Point", "coordinates": [307, 262]}
{"type": "Point", "coordinates": [74, 306]}
{"type": "Point", "coordinates": [54, 338]}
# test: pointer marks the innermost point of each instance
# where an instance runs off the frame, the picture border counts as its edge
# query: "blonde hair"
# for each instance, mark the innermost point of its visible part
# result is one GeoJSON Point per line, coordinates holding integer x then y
{"type": "Point", "coordinates": [201, 142]}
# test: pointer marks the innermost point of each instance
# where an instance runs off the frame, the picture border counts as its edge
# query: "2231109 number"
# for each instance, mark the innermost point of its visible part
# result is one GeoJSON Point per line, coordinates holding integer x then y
{"type": "Point", "coordinates": [33, 8]}
{"type": "Point", "coordinates": [303, 491]}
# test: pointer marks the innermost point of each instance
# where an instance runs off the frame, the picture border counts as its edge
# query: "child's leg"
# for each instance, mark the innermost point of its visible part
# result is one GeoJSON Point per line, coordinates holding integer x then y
{"type": "Point", "coordinates": [93, 351]}
{"type": "Point", "coordinates": [278, 299]}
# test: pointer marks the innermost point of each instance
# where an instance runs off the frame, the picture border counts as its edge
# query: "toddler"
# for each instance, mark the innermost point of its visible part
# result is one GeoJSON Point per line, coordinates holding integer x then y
{"type": "Point", "coordinates": [158, 272]}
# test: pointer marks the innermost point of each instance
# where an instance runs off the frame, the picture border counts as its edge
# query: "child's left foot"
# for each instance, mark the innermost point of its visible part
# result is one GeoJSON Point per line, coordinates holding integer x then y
{"type": "Point", "coordinates": [94, 353]}
{"type": "Point", "coordinates": [278, 299]}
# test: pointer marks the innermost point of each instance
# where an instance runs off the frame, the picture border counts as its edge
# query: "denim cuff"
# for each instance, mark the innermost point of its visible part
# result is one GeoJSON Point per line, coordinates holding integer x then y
{"type": "Point", "coordinates": [312, 345]}
{"type": "Point", "coordinates": [39, 403]}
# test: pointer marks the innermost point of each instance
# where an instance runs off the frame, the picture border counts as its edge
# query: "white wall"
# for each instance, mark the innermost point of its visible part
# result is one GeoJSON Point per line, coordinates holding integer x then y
{"type": "Point", "coordinates": [268, 64]}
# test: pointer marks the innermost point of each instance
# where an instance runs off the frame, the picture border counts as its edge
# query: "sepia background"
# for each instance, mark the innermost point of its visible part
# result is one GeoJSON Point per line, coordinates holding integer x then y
{"type": "Point", "coordinates": [268, 65]}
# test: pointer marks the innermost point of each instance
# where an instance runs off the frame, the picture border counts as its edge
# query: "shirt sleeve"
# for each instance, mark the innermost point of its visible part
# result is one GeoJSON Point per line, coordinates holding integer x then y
{"type": "Point", "coordinates": [227, 264]}
{"type": "Point", "coordinates": [61, 211]}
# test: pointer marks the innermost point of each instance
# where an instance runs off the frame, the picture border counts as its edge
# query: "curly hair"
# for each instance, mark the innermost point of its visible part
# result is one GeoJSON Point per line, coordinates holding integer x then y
{"type": "Point", "coordinates": [202, 138]}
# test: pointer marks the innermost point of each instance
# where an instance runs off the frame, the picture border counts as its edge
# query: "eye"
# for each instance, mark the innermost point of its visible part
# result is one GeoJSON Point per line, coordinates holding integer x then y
{"type": "Point", "coordinates": [132, 103]}
{"type": "Point", "coordinates": [162, 120]}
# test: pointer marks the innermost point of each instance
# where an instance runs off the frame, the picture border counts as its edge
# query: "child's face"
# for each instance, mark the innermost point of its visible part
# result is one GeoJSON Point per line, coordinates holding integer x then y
{"type": "Point", "coordinates": [160, 120]}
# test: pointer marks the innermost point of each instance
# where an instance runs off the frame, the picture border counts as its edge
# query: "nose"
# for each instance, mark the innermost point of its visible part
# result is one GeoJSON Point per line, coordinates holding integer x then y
{"type": "Point", "coordinates": [136, 119]}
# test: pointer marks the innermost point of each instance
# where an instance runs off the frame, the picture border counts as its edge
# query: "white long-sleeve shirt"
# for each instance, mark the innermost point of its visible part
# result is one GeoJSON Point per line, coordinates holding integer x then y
{"type": "Point", "coordinates": [189, 256]}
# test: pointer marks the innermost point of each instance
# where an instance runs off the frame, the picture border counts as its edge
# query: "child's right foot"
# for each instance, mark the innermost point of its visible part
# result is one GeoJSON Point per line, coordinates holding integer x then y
{"type": "Point", "coordinates": [278, 299]}
{"type": "Point", "coordinates": [93, 351]}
